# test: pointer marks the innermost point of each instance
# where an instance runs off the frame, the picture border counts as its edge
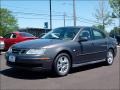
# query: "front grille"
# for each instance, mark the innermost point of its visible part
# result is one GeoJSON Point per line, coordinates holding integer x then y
{"type": "Point", "coordinates": [19, 51]}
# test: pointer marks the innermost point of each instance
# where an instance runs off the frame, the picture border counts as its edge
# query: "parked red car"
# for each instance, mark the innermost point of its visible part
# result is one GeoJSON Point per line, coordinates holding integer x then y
{"type": "Point", "coordinates": [15, 37]}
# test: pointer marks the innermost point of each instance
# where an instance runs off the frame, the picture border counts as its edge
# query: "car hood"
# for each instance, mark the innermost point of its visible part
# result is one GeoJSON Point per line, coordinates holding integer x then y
{"type": "Point", "coordinates": [37, 43]}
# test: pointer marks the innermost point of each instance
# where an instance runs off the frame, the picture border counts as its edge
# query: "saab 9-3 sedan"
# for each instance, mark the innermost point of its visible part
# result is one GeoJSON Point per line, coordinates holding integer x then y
{"type": "Point", "coordinates": [63, 48]}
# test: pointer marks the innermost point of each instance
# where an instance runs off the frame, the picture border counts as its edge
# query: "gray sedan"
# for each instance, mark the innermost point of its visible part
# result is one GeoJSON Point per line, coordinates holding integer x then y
{"type": "Point", "coordinates": [63, 48]}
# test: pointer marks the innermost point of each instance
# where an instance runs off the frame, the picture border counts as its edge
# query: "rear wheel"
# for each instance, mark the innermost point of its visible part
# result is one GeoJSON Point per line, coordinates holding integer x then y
{"type": "Point", "coordinates": [62, 64]}
{"type": "Point", "coordinates": [110, 57]}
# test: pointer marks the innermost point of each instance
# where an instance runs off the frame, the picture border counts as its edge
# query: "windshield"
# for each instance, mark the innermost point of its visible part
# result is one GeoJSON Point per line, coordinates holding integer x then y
{"type": "Point", "coordinates": [62, 33]}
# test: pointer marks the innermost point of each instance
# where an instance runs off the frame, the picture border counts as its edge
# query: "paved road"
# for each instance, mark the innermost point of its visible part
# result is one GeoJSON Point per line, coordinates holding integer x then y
{"type": "Point", "coordinates": [88, 77]}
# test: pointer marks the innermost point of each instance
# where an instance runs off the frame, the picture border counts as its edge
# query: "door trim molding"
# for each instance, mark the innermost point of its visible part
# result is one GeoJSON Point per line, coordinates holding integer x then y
{"type": "Point", "coordinates": [87, 63]}
{"type": "Point", "coordinates": [93, 52]}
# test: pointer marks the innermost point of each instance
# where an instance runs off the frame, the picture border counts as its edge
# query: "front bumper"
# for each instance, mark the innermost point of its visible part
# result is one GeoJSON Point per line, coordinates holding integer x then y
{"type": "Point", "coordinates": [32, 63]}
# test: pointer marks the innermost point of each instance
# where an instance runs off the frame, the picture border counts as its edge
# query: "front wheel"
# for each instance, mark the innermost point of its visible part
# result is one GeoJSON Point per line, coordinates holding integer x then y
{"type": "Point", "coordinates": [110, 57]}
{"type": "Point", "coordinates": [62, 64]}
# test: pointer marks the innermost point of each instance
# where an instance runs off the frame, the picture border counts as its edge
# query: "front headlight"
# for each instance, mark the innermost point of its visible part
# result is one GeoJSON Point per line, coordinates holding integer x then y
{"type": "Point", "coordinates": [36, 51]}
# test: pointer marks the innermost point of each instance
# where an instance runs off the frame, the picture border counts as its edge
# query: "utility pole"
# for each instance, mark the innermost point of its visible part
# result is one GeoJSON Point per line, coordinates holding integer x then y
{"type": "Point", "coordinates": [50, 16]}
{"type": "Point", "coordinates": [74, 13]}
{"type": "Point", "coordinates": [119, 21]}
{"type": "Point", "coordinates": [64, 18]}
{"type": "Point", "coordinates": [64, 14]}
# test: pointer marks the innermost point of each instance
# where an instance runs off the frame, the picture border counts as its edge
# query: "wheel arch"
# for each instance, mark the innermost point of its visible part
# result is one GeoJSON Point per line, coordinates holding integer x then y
{"type": "Point", "coordinates": [112, 50]}
{"type": "Point", "coordinates": [67, 52]}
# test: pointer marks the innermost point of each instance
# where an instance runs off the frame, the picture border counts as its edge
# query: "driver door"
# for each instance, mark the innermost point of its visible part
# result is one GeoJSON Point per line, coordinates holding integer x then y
{"type": "Point", "coordinates": [86, 47]}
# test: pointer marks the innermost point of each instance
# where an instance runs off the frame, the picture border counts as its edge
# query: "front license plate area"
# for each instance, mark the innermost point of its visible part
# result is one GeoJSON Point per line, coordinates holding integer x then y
{"type": "Point", "coordinates": [11, 58]}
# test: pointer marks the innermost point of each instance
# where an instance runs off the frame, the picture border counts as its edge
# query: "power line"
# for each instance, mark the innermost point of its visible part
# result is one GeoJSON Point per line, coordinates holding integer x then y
{"type": "Point", "coordinates": [38, 14]}
{"type": "Point", "coordinates": [57, 15]}
{"type": "Point", "coordinates": [56, 19]}
{"type": "Point", "coordinates": [85, 21]}
{"type": "Point", "coordinates": [41, 18]}
{"type": "Point", "coordinates": [28, 13]}
{"type": "Point", "coordinates": [77, 19]}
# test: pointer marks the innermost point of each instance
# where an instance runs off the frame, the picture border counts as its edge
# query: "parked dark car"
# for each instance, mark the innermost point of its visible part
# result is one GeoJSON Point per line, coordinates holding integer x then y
{"type": "Point", "coordinates": [63, 48]}
{"type": "Point", "coordinates": [117, 37]}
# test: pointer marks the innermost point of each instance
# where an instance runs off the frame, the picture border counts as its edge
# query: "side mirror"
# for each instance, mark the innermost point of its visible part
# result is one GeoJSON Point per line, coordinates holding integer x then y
{"type": "Point", "coordinates": [81, 39]}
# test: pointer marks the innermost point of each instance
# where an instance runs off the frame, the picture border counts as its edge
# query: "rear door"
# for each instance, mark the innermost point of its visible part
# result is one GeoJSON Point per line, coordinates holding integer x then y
{"type": "Point", "coordinates": [100, 44]}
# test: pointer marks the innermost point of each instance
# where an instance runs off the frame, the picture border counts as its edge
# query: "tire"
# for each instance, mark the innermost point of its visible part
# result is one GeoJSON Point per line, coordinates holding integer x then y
{"type": "Point", "coordinates": [109, 57]}
{"type": "Point", "coordinates": [62, 64]}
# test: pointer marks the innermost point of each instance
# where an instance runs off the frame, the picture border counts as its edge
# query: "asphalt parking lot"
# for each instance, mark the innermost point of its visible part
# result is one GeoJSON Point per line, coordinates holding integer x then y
{"type": "Point", "coordinates": [89, 77]}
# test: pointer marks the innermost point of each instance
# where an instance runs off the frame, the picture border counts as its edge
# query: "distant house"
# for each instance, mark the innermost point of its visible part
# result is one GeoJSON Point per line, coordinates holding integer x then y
{"type": "Point", "coordinates": [35, 31]}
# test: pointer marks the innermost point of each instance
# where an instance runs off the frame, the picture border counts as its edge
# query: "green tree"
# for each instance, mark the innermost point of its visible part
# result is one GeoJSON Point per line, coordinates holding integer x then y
{"type": "Point", "coordinates": [102, 16]}
{"type": "Point", "coordinates": [8, 23]}
{"type": "Point", "coordinates": [115, 32]}
{"type": "Point", "coordinates": [115, 4]}
{"type": "Point", "coordinates": [99, 26]}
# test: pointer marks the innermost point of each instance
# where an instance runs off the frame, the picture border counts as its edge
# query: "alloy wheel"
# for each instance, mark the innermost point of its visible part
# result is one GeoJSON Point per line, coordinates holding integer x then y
{"type": "Point", "coordinates": [63, 65]}
{"type": "Point", "coordinates": [110, 57]}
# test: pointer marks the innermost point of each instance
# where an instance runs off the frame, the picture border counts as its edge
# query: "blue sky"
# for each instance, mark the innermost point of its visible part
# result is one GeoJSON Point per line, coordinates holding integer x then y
{"type": "Point", "coordinates": [33, 13]}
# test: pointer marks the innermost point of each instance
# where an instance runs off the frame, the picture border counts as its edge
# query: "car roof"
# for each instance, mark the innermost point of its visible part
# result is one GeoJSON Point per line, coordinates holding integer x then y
{"type": "Point", "coordinates": [80, 27]}
{"type": "Point", "coordinates": [74, 26]}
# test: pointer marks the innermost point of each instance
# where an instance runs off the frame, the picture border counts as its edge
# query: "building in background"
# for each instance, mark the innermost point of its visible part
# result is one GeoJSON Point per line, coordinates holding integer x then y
{"type": "Point", "coordinates": [35, 31]}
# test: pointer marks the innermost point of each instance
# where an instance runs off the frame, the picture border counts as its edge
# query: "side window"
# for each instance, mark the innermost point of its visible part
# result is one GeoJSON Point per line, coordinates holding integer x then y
{"type": "Point", "coordinates": [13, 36]}
{"type": "Point", "coordinates": [85, 33]}
{"type": "Point", "coordinates": [98, 35]}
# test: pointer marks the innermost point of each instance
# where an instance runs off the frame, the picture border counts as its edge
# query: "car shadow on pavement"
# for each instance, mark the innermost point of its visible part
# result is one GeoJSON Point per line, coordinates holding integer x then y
{"type": "Point", "coordinates": [87, 67]}
{"type": "Point", "coordinates": [24, 74]}
{"type": "Point", "coordinates": [33, 75]}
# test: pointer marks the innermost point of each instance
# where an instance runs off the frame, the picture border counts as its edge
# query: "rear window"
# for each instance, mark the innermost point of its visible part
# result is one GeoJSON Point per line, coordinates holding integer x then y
{"type": "Point", "coordinates": [26, 34]}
